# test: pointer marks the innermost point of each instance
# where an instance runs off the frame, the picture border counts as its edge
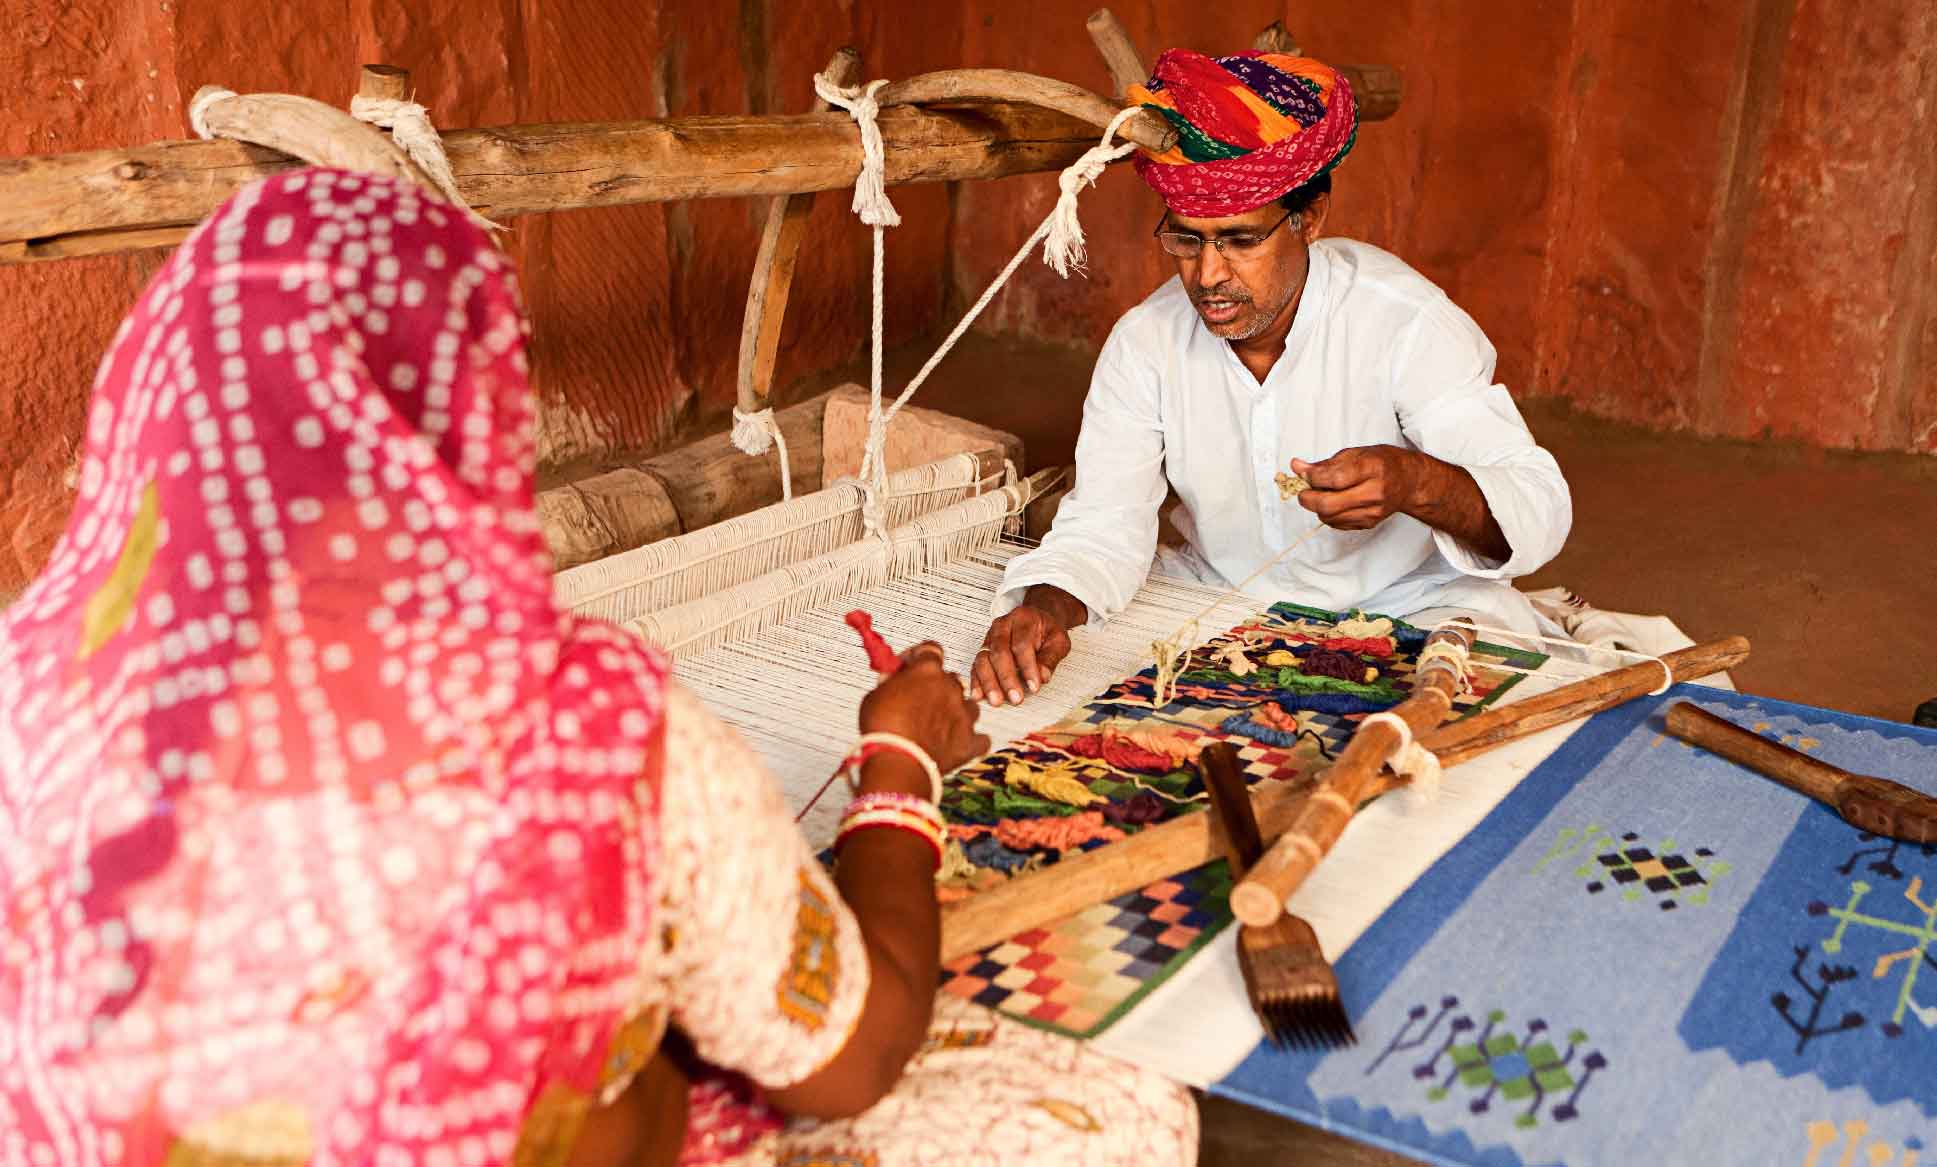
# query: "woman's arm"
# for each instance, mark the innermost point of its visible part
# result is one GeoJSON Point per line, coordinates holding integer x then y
{"type": "Point", "coordinates": [819, 997]}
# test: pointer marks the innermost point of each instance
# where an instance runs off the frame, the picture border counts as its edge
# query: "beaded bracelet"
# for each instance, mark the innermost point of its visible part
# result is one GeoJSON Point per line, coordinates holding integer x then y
{"type": "Point", "coordinates": [896, 800]}
{"type": "Point", "coordinates": [870, 744]}
{"type": "Point", "coordinates": [895, 818]}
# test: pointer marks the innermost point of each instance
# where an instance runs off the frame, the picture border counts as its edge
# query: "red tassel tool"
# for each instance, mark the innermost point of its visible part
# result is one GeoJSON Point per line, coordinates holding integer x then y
{"type": "Point", "coordinates": [881, 658]}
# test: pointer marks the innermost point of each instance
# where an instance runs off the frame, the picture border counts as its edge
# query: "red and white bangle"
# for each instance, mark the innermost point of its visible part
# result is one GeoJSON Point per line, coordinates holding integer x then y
{"type": "Point", "coordinates": [897, 811]}
{"type": "Point", "coordinates": [870, 744]}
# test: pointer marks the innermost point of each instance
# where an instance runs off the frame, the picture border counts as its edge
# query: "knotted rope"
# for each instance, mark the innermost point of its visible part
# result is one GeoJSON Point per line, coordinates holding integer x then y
{"type": "Point", "coordinates": [756, 433]}
{"type": "Point", "coordinates": [410, 128]}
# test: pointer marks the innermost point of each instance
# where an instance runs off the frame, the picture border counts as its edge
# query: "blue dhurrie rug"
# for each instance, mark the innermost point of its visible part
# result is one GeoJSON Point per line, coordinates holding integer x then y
{"type": "Point", "coordinates": [1649, 955]}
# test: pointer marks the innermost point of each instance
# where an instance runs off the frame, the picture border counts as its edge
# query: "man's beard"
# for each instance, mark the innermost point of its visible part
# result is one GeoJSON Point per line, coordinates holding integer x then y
{"type": "Point", "coordinates": [1244, 325]}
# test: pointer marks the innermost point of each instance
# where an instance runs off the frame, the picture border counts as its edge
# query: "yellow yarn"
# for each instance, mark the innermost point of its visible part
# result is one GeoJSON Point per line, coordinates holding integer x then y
{"type": "Point", "coordinates": [1056, 782]}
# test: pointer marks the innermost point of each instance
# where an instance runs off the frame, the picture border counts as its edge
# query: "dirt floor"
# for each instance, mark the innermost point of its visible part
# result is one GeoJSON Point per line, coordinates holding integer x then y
{"type": "Point", "coordinates": [1812, 556]}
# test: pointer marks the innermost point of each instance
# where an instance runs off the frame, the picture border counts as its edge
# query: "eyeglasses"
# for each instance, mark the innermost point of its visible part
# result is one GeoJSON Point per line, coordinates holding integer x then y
{"type": "Point", "coordinates": [1240, 245]}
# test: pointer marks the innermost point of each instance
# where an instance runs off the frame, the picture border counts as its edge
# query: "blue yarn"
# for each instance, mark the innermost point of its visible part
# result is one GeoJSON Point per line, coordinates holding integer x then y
{"type": "Point", "coordinates": [1337, 704]}
{"type": "Point", "coordinates": [987, 852]}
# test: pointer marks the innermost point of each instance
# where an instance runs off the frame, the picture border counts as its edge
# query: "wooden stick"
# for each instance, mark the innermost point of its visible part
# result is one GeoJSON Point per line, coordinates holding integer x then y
{"type": "Point", "coordinates": [1119, 52]}
{"type": "Point", "coordinates": [955, 85]}
{"type": "Point", "coordinates": [1457, 741]}
{"type": "Point", "coordinates": [383, 83]}
{"type": "Point", "coordinates": [773, 269]}
{"type": "Point", "coordinates": [1259, 898]}
{"type": "Point", "coordinates": [1276, 39]}
{"type": "Point", "coordinates": [1876, 805]}
{"type": "Point", "coordinates": [1163, 850]}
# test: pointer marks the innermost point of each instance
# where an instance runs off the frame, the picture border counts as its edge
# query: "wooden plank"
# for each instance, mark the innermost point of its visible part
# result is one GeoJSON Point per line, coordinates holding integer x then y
{"type": "Point", "coordinates": [55, 206]}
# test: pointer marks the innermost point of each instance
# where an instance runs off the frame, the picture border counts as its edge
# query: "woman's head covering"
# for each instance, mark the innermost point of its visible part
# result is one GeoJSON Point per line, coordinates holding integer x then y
{"type": "Point", "coordinates": [1252, 127]}
{"type": "Point", "coordinates": [324, 834]}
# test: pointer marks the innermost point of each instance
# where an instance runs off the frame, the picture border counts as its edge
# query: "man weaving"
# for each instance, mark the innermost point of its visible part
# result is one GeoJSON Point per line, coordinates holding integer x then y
{"type": "Point", "coordinates": [1276, 351]}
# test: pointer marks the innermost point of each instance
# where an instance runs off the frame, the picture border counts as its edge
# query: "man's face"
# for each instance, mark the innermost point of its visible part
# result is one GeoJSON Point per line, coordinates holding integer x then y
{"type": "Point", "coordinates": [1241, 288]}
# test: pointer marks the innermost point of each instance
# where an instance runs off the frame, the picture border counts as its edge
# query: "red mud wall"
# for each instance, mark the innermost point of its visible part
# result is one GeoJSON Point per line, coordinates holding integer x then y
{"type": "Point", "coordinates": [636, 310]}
{"type": "Point", "coordinates": [1724, 219]}
{"type": "Point", "coordinates": [1718, 215]}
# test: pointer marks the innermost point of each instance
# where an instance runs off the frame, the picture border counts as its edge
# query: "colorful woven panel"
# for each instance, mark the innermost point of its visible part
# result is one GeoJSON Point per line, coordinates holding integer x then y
{"type": "Point", "coordinates": [1647, 954]}
{"type": "Point", "coordinates": [1286, 688]}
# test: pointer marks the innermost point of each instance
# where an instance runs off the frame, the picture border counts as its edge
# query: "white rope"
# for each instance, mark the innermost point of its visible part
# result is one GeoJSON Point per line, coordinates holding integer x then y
{"type": "Point", "coordinates": [198, 108]}
{"type": "Point", "coordinates": [1414, 762]}
{"type": "Point", "coordinates": [410, 128]}
{"type": "Point", "coordinates": [1448, 655]}
{"type": "Point", "coordinates": [756, 433]}
{"type": "Point", "coordinates": [1061, 233]}
{"type": "Point", "coordinates": [870, 186]}
{"type": "Point", "coordinates": [1064, 249]}
{"type": "Point", "coordinates": [1667, 673]}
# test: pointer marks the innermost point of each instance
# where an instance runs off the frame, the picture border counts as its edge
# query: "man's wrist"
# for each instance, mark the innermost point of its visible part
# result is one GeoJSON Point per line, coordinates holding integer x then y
{"type": "Point", "coordinates": [1066, 610]}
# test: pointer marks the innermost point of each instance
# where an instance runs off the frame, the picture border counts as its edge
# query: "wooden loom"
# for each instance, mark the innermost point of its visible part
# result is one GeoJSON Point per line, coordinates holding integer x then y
{"type": "Point", "coordinates": [749, 601]}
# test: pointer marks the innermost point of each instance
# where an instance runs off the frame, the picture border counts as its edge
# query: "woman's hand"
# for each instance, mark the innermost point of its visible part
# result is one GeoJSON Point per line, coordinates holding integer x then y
{"type": "Point", "coordinates": [924, 703]}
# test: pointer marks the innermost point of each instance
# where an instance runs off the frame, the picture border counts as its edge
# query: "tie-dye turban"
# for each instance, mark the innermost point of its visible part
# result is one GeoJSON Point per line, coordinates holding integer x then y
{"type": "Point", "coordinates": [1251, 127]}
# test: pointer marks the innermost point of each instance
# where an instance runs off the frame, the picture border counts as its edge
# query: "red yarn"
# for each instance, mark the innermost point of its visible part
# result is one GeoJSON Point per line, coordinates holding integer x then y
{"type": "Point", "coordinates": [1121, 753]}
{"type": "Point", "coordinates": [1379, 646]}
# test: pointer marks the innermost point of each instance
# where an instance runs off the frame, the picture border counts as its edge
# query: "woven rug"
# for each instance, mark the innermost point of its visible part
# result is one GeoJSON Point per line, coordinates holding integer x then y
{"type": "Point", "coordinates": [1080, 976]}
{"type": "Point", "coordinates": [1647, 954]}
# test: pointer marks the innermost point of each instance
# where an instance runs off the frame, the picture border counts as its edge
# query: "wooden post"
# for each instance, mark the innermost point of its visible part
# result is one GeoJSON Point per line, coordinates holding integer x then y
{"type": "Point", "coordinates": [1276, 39]}
{"type": "Point", "coordinates": [773, 270]}
{"type": "Point", "coordinates": [384, 83]}
{"type": "Point", "coordinates": [1119, 52]}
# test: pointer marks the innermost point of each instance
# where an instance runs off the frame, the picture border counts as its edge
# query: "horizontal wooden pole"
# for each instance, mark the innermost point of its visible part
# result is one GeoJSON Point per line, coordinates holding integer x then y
{"type": "Point", "coordinates": [1457, 741]}
{"type": "Point", "coordinates": [56, 206]}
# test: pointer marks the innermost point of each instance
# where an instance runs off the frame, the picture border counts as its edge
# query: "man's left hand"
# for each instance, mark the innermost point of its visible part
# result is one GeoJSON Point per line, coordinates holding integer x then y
{"type": "Point", "coordinates": [1358, 488]}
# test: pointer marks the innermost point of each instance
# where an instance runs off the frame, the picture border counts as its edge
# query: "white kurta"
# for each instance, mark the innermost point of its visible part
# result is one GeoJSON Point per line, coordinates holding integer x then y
{"type": "Point", "coordinates": [1377, 355]}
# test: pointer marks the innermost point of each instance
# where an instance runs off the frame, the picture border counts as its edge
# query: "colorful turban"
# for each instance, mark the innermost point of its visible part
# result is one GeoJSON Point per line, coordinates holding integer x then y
{"type": "Point", "coordinates": [1251, 128]}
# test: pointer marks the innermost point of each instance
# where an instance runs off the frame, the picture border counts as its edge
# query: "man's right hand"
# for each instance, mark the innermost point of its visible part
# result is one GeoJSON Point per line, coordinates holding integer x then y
{"type": "Point", "coordinates": [1023, 648]}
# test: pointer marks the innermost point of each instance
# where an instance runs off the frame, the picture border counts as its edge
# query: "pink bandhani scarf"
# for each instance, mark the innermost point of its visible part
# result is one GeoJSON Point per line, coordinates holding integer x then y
{"type": "Point", "coordinates": [324, 834]}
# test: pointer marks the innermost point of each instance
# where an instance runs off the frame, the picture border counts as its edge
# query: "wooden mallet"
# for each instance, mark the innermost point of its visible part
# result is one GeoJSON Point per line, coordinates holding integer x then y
{"type": "Point", "coordinates": [1876, 805]}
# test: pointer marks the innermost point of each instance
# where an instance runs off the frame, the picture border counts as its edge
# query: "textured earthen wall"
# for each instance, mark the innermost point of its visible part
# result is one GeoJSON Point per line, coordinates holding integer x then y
{"type": "Point", "coordinates": [1718, 215]}
{"type": "Point", "coordinates": [636, 310]}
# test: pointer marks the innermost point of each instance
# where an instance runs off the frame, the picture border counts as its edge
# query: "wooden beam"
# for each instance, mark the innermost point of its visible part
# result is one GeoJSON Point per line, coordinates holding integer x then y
{"type": "Point", "coordinates": [55, 206]}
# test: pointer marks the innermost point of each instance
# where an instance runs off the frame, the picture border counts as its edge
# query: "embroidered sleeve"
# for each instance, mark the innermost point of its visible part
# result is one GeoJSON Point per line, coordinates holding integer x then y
{"type": "Point", "coordinates": [767, 973]}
